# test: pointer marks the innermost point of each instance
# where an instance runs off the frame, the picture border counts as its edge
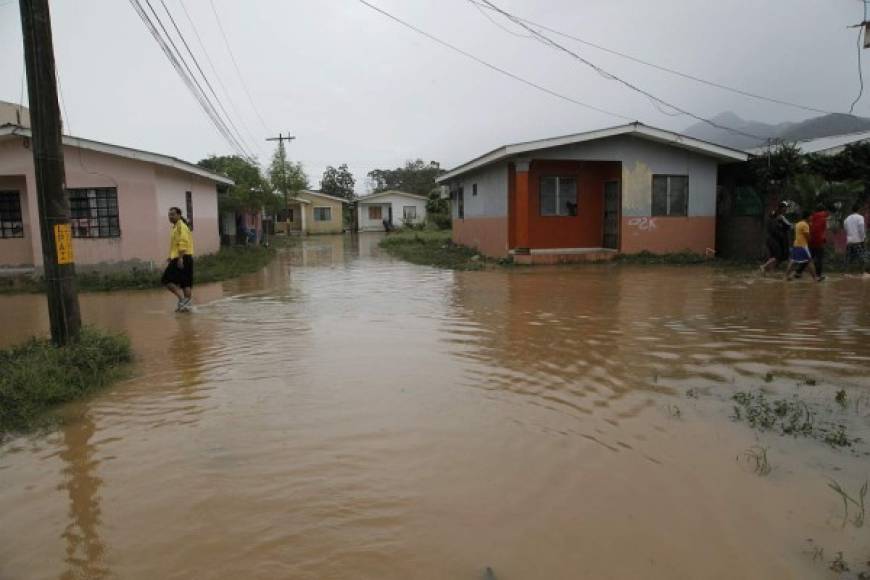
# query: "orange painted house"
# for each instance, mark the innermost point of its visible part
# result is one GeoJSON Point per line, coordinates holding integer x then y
{"type": "Point", "coordinates": [629, 189]}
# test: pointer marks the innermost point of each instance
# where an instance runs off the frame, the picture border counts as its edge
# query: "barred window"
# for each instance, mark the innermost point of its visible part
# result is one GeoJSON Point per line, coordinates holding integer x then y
{"type": "Point", "coordinates": [94, 212]}
{"type": "Point", "coordinates": [11, 225]}
{"type": "Point", "coordinates": [670, 195]}
{"type": "Point", "coordinates": [558, 196]}
{"type": "Point", "coordinates": [322, 214]}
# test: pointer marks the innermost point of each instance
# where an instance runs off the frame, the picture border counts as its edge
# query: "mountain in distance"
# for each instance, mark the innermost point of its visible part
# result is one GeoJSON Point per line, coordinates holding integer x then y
{"type": "Point", "coordinates": [823, 126]}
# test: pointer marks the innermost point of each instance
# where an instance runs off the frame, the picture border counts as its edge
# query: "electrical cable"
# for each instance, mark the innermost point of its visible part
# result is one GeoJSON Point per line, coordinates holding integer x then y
{"type": "Point", "coordinates": [610, 76]}
{"type": "Point", "coordinates": [492, 66]}
{"type": "Point", "coordinates": [662, 68]}
{"type": "Point", "coordinates": [860, 71]}
{"type": "Point", "coordinates": [236, 65]}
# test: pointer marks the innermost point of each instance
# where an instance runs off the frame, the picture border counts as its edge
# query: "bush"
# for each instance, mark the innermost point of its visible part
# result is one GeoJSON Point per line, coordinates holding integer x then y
{"type": "Point", "coordinates": [441, 221]}
{"type": "Point", "coordinates": [38, 376]}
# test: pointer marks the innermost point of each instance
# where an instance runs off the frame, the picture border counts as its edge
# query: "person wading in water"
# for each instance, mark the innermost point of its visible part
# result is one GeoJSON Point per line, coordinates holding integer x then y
{"type": "Point", "coordinates": [178, 276]}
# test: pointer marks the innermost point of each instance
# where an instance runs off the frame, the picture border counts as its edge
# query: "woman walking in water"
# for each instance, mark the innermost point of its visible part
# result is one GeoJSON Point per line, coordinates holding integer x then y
{"type": "Point", "coordinates": [178, 276]}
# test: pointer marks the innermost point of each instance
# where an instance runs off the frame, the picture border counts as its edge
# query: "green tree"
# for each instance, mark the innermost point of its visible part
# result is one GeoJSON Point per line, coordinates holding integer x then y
{"type": "Point", "coordinates": [415, 177]}
{"type": "Point", "coordinates": [338, 182]}
{"type": "Point", "coordinates": [286, 176]}
{"type": "Point", "coordinates": [251, 192]}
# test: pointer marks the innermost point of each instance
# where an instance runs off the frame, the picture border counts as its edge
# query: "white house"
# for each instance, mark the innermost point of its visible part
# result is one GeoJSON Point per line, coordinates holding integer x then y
{"type": "Point", "coordinates": [396, 207]}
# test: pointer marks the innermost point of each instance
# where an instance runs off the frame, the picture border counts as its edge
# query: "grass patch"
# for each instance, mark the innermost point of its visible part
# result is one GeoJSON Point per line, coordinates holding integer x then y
{"type": "Point", "coordinates": [229, 262]}
{"type": "Point", "coordinates": [38, 376]}
{"type": "Point", "coordinates": [433, 248]}
{"type": "Point", "coordinates": [789, 417]}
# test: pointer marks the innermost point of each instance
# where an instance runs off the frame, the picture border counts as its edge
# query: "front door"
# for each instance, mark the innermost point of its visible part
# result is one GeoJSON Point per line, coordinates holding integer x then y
{"type": "Point", "coordinates": [390, 213]}
{"type": "Point", "coordinates": [611, 215]}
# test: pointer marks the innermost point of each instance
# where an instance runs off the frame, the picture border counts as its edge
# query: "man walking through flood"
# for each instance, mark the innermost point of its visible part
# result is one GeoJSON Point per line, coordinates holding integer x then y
{"type": "Point", "coordinates": [777, 232]}
{"type": "Point", "coordinates": [855, 238]}
{"type": "Point", "coordinates": [178, 276]}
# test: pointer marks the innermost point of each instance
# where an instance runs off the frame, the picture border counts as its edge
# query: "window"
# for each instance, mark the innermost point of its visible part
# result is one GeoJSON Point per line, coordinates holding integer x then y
{"type": "Point", "coordinates": [460, 203]}
{"type": "Point", "coordinates": [670, 195]}
{"type": "Point", "coordinates": [375, 212]}
{"type": "Point", "coordinates": [94, 212]}
{"type": "Point", "coordinates": [409, 213]}
{"type": "Point", "coordinates": [188, 201]}
{"type": "Point", "coordinates": [11, 225]}
{"type": "Point", "coordinates": [558, 196]}
{"type": "Point", "coordinates": [474, 189]}
{"type": "Point", "coordinates": [322, 214]}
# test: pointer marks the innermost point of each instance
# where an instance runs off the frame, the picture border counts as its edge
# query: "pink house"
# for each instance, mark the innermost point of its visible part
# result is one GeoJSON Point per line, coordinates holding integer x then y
{"type": "Point", "coordinates": [119, 198]}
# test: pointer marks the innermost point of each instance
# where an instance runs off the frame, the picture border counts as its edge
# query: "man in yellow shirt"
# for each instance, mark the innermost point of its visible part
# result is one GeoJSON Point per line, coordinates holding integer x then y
{"type": "Point", "coordinates": [178, 276]}
{"type": "Point", "coordinates": [800, 251]}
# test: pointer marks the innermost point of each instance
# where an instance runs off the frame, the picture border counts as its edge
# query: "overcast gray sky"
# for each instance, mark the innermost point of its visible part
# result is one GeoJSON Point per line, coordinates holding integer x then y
{"type": "Point", "coordinates": [357, 88]}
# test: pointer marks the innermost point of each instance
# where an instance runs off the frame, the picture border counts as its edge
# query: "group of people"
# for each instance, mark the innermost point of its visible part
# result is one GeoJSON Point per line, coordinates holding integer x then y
{"type": "Point", "coordinates": [802, 244]}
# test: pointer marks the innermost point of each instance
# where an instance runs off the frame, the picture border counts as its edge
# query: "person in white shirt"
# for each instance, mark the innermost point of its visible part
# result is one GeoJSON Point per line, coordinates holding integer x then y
{"type": "Point", "coordinates": [855, 237]}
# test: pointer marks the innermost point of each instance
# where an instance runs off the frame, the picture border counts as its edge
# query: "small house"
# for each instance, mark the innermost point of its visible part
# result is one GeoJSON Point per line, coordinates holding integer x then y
{"type": "Point", "coordinates": [119, 199]}
{"type": "Point", "coordinates": [313, 212]}
{"type": "Point", "coordinates": [396, 208]}
{"type": "Point", "coordinates": [628, 189]}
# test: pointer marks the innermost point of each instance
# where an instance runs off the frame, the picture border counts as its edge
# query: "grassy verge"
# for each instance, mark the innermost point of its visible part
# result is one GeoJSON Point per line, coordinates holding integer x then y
{"type": "Point", "coordinates": [38, 376]}
{"type": "Point", "coordinates": [433, 248]}
{"type": "Point", "coordinates": [229, 262]}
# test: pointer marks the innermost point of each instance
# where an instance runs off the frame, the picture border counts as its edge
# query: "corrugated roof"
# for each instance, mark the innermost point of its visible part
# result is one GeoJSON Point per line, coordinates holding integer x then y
{"type": "Point", "coordinates": [366, 198]}
{"type": "Point", "coordinates": [830, 145]}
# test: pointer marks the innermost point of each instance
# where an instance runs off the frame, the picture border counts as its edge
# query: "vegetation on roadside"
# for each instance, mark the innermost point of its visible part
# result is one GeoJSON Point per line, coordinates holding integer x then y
{"type": "Point", "coordinates": [433, 248]}
{"type": "Point", "coordinates": [229, 262]}
{"type": "Point", "coordinates": [38, 376]}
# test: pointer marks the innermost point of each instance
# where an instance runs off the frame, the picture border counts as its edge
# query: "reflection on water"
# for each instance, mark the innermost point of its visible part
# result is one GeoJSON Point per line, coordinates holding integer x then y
{"type": "Point", "coordinates": [342, 414]}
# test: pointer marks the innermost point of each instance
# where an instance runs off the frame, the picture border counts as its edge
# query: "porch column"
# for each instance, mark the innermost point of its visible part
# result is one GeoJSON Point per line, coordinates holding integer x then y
{"type": "Point", "coordinates": [302, 217]}
{"type": "Point", "coordinates": [522, 204]}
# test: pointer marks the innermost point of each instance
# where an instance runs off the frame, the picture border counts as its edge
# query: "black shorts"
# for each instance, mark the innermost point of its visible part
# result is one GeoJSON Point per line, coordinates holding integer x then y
{"type": "Point", "coordinates": [181, 277]}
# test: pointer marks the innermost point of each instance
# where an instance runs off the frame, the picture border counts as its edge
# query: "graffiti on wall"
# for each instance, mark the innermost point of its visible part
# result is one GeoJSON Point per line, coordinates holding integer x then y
{"type": "Point", "coordinates": [644, 224]}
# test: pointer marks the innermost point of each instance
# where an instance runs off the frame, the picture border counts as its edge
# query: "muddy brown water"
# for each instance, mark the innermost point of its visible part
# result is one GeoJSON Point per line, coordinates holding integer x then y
{"type": "Point", "coordinates": [342, 414]}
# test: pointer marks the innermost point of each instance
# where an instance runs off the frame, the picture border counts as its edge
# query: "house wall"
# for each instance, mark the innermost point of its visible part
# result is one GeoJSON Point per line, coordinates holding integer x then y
{"type": "Point", "coordinates": [398, 202]}
{"type": "Point", "coordinates": [333, 226]}
{"type": "Point", "coordinates": [641, 159]}
{"type": "Point", "coordinates": [145, 193]}
{"type": "Point", "coordinates": [485, 225]}
{"type": "Point", "coordinates": [171, 188]}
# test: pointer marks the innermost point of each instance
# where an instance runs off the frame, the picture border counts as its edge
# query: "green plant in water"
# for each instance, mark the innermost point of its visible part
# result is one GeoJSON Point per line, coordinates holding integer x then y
{"type": "Point", "coordinates": [757, 456]}
{"type": "Point", "coordinates": [839, 564]}
{"type": "Point", "coordinates": [841, 397]}
{"type": "Point", "coordinates": [858, 519]}
{"type": "Point", "coordinates": [768, 378]}
{"type": "Point", "coordinates": [692, 394]}
{"type": "Point", "coordinates": [838, 438]}
{"type": "Point", "coordinates": [675, 411]}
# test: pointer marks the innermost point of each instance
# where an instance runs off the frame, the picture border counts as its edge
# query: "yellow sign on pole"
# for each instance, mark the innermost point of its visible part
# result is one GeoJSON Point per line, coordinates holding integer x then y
{"type": "Point", "coordinates": [63, 243]}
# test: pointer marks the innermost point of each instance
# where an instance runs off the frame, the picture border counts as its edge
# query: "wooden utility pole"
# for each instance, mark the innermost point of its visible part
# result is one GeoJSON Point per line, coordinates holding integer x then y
{"type": "Point", "coordinates": [280, 139]}
{"type": "Point", "coordinates": [54, 223]}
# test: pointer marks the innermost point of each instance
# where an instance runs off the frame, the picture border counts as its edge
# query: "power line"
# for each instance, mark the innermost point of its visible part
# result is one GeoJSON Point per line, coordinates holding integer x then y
{"type": "Point", "coordinates": [610, 76]}
{"type": "Point", "coordinates": [202, 73]}
{"type": "Point", "coordinates": [192, 86]}
{"type": "Point", "coordinates": [236, 65]}
{"type": "Point", "coordinates": [480, 4]}
{"type": "Point", "coordinates": [218, 77]}
{"type": "Point", "coordinates": [492, 66]}
{"type": "Point", "coordinates": [860, 71]}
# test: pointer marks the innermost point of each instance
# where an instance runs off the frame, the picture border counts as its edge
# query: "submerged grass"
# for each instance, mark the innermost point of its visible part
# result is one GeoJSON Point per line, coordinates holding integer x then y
{"type": "Point", "coordinates": [38, 376]}
{"type": "Point", "coordinates": [229, 262]}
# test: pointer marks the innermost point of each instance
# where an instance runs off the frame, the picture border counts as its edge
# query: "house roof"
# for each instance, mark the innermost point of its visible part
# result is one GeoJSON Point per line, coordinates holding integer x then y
{"type": "Point", "coordinates": [127, 152]}
{"type": "Point", "coordinates": [830, 145]}
{"type": "Point", "coordinates": [636, 129]}
{"type": "Point", "coordinates": [372, 196]}
{"type": "Point", "coordinates": [323, 195]}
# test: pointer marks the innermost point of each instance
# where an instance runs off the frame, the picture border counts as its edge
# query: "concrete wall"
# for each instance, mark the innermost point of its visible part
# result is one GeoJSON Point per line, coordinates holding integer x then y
{"type": "Point", "coordinates": [397, 202]}
{"type": "Point", "coordinates": [145, 193]}
{"type": "Point", "coordinates": [485, 226]}
{"type": "Point", "coordinates": [333, 226]}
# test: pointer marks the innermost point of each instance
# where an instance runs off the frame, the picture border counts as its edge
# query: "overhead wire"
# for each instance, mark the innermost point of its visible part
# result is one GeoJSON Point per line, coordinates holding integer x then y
{"type": "Point", "coordinates": [236, 65]}
{"type": "Point", "coordinates": [182, 70]}
{"type": "Point", "coordinates": [613, 77]}
{"type": "Point", "coordinates": [860, 67]}
{"type": "Point", "coordinates": [482, 5]}
{"type": "Point", "coordinates": [492, 66]}
{"type": "Point", "coordinates": [217, 76]}
{"type": "Point", "coordinates": [203, 75]}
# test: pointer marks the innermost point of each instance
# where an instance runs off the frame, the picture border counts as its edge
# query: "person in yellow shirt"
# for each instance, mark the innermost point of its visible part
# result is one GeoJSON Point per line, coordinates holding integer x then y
{"type": "Point", "coordinates": [800, 251]}
{"type": "Point", "coordinates": [178, 276]}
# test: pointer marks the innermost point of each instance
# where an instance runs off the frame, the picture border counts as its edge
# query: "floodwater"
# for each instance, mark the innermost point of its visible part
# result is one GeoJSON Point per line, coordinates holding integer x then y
{"type": "Point", "coordinates": [342, 414]}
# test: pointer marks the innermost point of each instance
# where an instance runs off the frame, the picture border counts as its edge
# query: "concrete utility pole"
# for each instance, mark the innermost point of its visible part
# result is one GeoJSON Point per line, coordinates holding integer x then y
{"type": "Point", "coordinates": [54, 223]}
{"type": "Point", "coordinates": [280, 139]}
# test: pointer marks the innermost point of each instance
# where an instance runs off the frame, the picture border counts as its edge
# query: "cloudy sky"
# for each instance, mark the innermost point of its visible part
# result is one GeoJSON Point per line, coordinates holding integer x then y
{"type": "Point", "coordinates": [355, 87]}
